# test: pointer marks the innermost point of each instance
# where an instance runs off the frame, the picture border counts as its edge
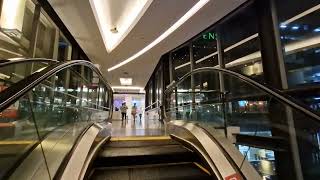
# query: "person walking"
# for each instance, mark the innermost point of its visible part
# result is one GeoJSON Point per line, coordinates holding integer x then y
{"type": "Point", "coordinates": [123, 110]}
{"type": "Point", "coordinates": [140, 113]}
{"type": "Point", "coordinates": [134, 111]}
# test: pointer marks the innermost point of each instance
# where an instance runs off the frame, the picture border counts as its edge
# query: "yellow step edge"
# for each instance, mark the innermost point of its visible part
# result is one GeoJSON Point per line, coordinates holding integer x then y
{"type": "Point", "coordinates": [140, 138]}
{"type": "Point", "coordinates": [202, 168]}
{"type": "Point", "coordinates": [16, 142]}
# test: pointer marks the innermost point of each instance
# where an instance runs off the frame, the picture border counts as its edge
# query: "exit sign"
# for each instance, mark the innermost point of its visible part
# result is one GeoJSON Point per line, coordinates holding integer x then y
{"type": "Point", "coordinates": [209, 36]}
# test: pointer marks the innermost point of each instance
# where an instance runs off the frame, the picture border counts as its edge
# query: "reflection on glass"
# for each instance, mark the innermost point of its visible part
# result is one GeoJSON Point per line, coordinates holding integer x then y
{"type": "Point", "coordinates": [181, 61]}
{"type": "Point", "coordinates": [300, 35]}
{"type": "Point", "coordinates": [205, 50]}
{"type": "Point", "coordinates": [18, 135]}
{"type": "Point", "coordinates": [261, 159]}
{"type": "Point", "coordinates": [64, 48]}
{"type": "Point", "coordinates": [46, 38]}
{"type": "Point", "coordinates": [241, 43]}
{"type": "Point", "coordinates": [14, 72]}
{"type": "Point", "coordinates": [53, 113]}
{"type": "Point", "coordinates": [238, 104]}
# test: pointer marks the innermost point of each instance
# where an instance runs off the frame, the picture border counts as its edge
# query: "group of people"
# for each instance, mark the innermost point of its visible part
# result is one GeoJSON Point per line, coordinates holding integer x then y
{"type": "Point", "coordinates": [134, 111]}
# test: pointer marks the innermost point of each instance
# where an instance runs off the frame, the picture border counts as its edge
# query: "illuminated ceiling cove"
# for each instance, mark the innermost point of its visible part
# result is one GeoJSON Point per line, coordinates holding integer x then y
{"type": "Point", "coordinates": [116, 18]}
{"type": "Point", "coordinates": [164, 35]}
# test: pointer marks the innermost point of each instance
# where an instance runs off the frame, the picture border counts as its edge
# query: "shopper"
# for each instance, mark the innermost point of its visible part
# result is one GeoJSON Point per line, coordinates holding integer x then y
{"type": "Point", "coordinates": [123, 110]}
{"type": "Point", "coordinates": [140, 113]}
{"type": "Point", "coordinates": [134, 111]}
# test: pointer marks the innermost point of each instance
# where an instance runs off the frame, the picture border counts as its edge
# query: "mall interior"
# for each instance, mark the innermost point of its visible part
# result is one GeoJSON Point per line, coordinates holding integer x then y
{"type": "Point", "coordinates": [160, 89]}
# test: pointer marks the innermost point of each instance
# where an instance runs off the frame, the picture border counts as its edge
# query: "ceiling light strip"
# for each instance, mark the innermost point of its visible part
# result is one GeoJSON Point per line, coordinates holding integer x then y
{"type": "Point", "coordinates": [182, 65]}
{"type": "Point", "coordinates": [206, 57]}
{"type": "Point", "coordinates": [311, 10]}
{"type": "Point", "coordinates": [241, 42]}
{"type": "Point", "coordinates": [127, 87]}
{"type": "Point", "coordinates": [175, 26]}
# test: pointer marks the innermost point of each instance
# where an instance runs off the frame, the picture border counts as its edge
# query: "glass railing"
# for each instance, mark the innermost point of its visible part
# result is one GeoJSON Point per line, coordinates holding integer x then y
{"type": "Point", "coordinates": [273, 132]}
{"type": "Point", "coordinates": [12, 71]}
{"type": "Point", "coordinates": [48, 118]}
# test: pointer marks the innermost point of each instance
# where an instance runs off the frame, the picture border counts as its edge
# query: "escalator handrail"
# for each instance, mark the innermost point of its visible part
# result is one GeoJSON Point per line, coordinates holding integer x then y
{"type": "Point", "coordinates": [9, 62]}
{"type": "Point", "coordinates": [269, 90]}
{"type": "Point", "coordinates": [14, 92]}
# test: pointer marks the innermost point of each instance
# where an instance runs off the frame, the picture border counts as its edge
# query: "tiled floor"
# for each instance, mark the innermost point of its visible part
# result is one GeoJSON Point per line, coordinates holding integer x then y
{"type": "Point", "coordinates": [137, 128]}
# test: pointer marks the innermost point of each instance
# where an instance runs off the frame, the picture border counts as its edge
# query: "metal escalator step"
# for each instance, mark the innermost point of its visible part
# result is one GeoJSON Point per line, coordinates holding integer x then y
{"type": "Point", "coordinates": [144, 155]}
{"type": "Point", "coordinates": [138, 152]}
{"type": "Point", "coordinates": [177, 171]}
{"type": "Point", "coordinates": [140, 143]}
{"type": "Point", "coordinates": [143, 151]}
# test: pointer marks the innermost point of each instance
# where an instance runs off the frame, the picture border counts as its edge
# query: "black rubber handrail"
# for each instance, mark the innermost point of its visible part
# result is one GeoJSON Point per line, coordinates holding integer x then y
{"type": "Point", "coordinates": [269, 90]}
{"type": "Point", "coordinates": [14, 92]}
{"type": "Point", "coordinates": [6, 62]}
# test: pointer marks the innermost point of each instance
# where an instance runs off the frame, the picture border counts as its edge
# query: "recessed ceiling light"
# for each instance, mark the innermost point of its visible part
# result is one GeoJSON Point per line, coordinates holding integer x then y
{"type": "Point", "coordinates": [126, 81]}
{"type": "Point", "coordinates": [175, 26]}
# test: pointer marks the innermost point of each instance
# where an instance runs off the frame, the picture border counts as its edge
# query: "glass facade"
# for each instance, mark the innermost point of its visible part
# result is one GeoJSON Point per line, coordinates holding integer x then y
{"type": "Point", "coordinates": [48, 119]}
{"type": "Point", "coordinates": [181, 62]}
{"type": "Point", "coordinates": [204, 48]}
{"type": "Point", "coordinates": [243, 42]}
{"type": "Point", "coordinates": [241, 48]}
{"type": "Point", "coordinates": [300, 36]}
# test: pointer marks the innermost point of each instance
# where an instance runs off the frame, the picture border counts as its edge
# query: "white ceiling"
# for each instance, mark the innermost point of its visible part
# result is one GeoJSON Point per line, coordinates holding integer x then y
{"type": "Point", "coordinates": [161, 14]}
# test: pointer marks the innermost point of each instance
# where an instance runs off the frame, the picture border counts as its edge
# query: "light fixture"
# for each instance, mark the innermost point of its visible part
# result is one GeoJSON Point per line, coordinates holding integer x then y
{"type": "Point", "coordinates": [116, 18]}
{"type": "Point", "coordinates": [283, 26]}
{"type": "Point", "coordinates": [128, 88]}
{"type": "Point", "coordinates": [295, 27]}
{"type": "Point", "coordinates": [175, 26]}
{"type": "Point", "coordinates": [317, 30]}
{"type": "Point", "coordinates": [126, 81]}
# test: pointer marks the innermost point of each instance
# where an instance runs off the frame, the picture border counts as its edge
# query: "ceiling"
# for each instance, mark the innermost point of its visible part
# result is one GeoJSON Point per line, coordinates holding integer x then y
{"type": "Point", "coordinates": [79, 18]}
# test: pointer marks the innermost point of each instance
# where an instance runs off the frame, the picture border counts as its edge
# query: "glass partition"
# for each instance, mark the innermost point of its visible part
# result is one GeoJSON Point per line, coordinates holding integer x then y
{"type": "Point", "coordinates": [231, 105]}
{"type": "Point", "coordinates": [53, 114]}
{"type": "Point", "coordinates": [11, 72]}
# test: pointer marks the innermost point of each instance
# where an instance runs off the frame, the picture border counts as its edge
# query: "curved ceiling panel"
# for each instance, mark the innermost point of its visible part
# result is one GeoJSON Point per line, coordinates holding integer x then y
{"type": "Point", "coordinates": [116, 19]}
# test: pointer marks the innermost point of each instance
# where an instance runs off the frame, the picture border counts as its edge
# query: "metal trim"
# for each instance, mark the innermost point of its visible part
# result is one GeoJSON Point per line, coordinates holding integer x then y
{"type": "Point", "coordinates": [92, 154]}
{"type": "Point", "coordinates": [212, 166]}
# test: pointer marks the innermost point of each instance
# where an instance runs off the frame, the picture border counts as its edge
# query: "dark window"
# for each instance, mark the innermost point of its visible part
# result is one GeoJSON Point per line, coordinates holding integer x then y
{"type": "Point", "coordinates": [241, 43]}
{"type": "Point", "coordinates": [205, 50]}
{"type": "Point", "coordinates": [181, 61]}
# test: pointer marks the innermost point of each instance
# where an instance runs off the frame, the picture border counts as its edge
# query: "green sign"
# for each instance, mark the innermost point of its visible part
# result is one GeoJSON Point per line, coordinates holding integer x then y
{"type": "Point", "coordinates": [209, 36]}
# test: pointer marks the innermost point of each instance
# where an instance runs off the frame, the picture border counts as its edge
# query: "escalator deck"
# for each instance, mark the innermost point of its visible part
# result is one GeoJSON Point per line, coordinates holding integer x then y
{"type": "Point", "coordinates": [147, 159]}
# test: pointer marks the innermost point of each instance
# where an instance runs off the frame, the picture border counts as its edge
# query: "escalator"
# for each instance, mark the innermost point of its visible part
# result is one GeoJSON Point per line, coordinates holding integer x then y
{"type": "Point", "coordinates": [153, 158]}
{"type": "Point", "coordinates": [46, 106]}
{"type": "Point", "coordinates": [274, 133]}
{"type": "Point", "coordinates": [220, 125]}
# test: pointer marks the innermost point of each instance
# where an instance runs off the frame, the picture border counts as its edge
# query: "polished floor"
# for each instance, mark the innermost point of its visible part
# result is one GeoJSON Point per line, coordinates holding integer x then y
{"type": "Point", "coordinates": [137, 128]}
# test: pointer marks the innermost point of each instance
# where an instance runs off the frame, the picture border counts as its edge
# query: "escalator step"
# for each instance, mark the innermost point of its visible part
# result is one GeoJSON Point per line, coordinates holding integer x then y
{"type": "Point", "coordinates": [140, 143]}
{"type": "Point", "coordinates": [177, 171]}
{"type": "Point", "coordinates": [144, 155]}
